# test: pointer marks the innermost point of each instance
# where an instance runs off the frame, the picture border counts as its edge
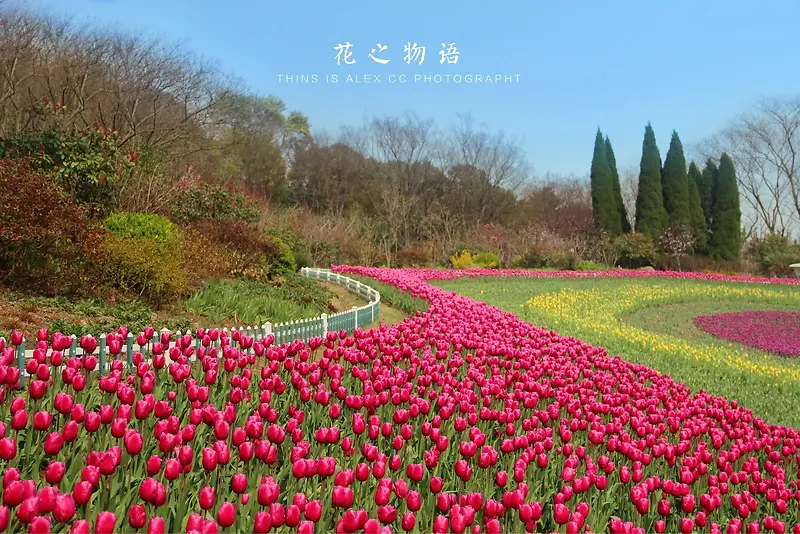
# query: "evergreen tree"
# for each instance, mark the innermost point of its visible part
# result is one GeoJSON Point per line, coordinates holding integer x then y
{"type": "Point", "coordinates": [651, 216]}
{"type": "Point", "coordinates": [696, 214]}
{"type": "Point", "coordinates": [726, 217]}
{"type": "Point", "coordinates": [612, 163]}
{"type": "Point", "coordinates": [604, 207]}
{"type": "Point", "coordinates": [675, 185]}
{"type": "Point", "coordinates": [706, 185]}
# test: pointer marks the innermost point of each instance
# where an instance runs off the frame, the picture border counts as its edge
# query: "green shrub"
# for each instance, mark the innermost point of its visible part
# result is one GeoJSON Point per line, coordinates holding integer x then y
{"type": "Point", "coordinates": [774, 254]}
{"type": "Point", "coordinates": [144, 255]}
{"type": "Point", "coordinates": [86, 163]}
{"type": "Point", "coordinates": [563, 261]}
{"type": "Point", "coordinates": [635, 250]}
{"type": "Point", "coordinates": [214, 201]}
{"type": "Point", "coordinates": [487, 260]}
{"type": "Point", "coordinates": [144, 225]}
{"type": "Point", "coordinates": [283, 262]}
{"type": "Point", "coordinates": [142, 266]}
{"type": "Point", "coordinates": [533, 259]}
{"type": "Point", "coordinates": [591, 266]}
{"type": "Point", "coordinates": [301, 258]}
{"type": "Point", "coordinates": [462, 260]}
{"type": "Point", "coordinates": [413, 257]}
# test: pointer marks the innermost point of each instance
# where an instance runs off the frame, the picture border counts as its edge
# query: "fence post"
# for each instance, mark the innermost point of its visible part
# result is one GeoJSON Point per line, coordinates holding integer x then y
{"type": "Point", "coordinates": [73, 346]}
{"type": "Point", "coordinates": [102, 346]}
{"type": "Point", "coordinates": [355, 317]}
{"type": "Point", "coordinates": [21, 363]}
{"type": "Point", "coordinates": [129, 350]}
{"type": "Point", "coordinates": [324, 325]}
{"type": "Point", "coordinates": [372, 312]}
{"type": "Point", "coordinates": [267, 329]}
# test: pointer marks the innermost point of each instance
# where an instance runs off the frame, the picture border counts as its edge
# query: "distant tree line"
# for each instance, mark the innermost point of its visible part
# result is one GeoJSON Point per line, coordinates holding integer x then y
{"type": "Point", "coordinates": [676, 205]}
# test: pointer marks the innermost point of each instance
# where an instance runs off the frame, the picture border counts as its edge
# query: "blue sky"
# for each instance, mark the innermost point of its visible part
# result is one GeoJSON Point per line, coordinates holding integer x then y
{"type": "Point", "coordinates": [687, 65]}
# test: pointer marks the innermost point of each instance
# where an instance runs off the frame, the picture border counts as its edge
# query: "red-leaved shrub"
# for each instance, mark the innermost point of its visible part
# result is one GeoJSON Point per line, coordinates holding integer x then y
{"type": "Point", "coordinates": [47, 242]}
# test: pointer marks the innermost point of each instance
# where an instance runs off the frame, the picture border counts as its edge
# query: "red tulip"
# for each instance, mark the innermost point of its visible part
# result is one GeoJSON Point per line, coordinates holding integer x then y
{"type": "Point", "coordinates": [82, 492]}
{"type": "Point", "coordinates": [53, 443]}
{"type": "Point", "coordinates": [137, 516]}
{"type": "Point", "coordinates": [561, 514]}
{"type": "Point", "coordinates": [209, 459]}
{"type": "Point", "coordinates": [342, 497]}
{"type": "Point", "coordinates": [262, 523]}
{"type": "Point", "coordinates": [206, 497]}
{"type": "Point", "coordinates": [239, 483]}
{"type": "Point", "coordinates": [13, 494]}
{"type": "Point", "coordinates": [156, 525]}
{"type": "Point", "coordinates": [172, 469]}
{"type": "Point", "coordinates": [64, 509]}
{"type": "Point", "coordinates": [28, 510]}
{"type": "Point", "coordinates": [226, 514]}
{"type": "Point", "coordinates": [105, 523]}
{"type": "Point", "coordinates": [46, 499]}
{"type": "Point", "coordinates": [8, 449]}
{"type": "Point", "coordinates": [16, 338]}
{"type": "Point", "coordinates": [40, 525]}
{"type": "Point", "coordinates": [80, 526]}
{"type": "Point", "coordinates": [313, 511]}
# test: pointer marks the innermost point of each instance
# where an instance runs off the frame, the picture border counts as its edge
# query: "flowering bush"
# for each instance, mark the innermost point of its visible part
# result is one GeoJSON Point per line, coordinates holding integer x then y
{"type": "Point", "coordinates": [461, 418]}
{"type": "Point", "coordinates": [771, 331]}
{"type": "Point", "coordinates": [462, 260]}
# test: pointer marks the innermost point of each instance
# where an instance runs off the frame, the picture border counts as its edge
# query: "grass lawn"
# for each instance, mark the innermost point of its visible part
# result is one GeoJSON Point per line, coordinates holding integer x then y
{"type": "Point", "coordinates": [649, 321]}
{"type": "Point", "coordinates": [344, 300]}
{"type": "Point", "coordinates": [224, 303]}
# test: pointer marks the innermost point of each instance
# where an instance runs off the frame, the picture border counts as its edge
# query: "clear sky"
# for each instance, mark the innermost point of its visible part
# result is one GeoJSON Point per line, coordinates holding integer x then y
{"type": "Point", "coordinates": [688, 65]}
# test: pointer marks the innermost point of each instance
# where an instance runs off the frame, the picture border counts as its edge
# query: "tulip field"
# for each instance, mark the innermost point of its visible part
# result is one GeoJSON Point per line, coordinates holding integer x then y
{"type": "Point", "coordinates": [651, 320]}
{"type": "Point", "coordinates": [462, 418]}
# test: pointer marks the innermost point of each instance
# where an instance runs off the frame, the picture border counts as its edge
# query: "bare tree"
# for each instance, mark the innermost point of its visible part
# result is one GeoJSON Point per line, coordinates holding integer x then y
{"type": "Point", "coordinates": [153, 94]}
{"type": "Point", "coordinates": [765, 145]}
{"type": "Point", "coordinates": [483, 165]}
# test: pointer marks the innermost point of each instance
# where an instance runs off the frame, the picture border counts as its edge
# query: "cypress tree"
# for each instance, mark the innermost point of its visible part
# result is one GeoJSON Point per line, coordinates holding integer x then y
{"type": "Point", "coordinates": [675, 185]}
{"type": "Point", "coordinates": [726, 215]}
{"type": "Point", "coordinates": [706, 185]}
{"type": "Point", "coordinates": [604, 207]}
{"type": "Point", "coordinates": [696, 214]}
{"type": "Point", "coordinates": [650, 213]}
{"type": "Point", "coordinates": [612, 163]}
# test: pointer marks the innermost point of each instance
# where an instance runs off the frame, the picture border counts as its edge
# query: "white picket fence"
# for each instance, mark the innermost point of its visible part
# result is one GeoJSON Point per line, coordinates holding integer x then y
{"type": "Point", "coordinates": [348, 320]}
{"type": "Point", "coordinates": [304, 329]}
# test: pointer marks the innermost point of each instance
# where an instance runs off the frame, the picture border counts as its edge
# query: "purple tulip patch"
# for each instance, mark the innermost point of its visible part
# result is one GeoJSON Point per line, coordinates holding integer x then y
{"type": "Point", "coordinates": [770, 331]}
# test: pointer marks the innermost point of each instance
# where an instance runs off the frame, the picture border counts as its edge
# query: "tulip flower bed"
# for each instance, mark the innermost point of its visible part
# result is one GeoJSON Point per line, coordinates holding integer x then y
{"type": "Point", "coordinates": [771, 331]}
{"type": "Point", "coordinates": [461, 418]}
{"type": "Point", "coordinates": [631, 317]}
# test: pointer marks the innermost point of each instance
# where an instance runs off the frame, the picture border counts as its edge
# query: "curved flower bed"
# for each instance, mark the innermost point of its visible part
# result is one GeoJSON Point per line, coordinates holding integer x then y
{"type": "Point", "coordinates": [450, 274]}
{"type": "Point", "coordinates": [770, 331]}
{"type": "Point", "coordinates": [462, 418]}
